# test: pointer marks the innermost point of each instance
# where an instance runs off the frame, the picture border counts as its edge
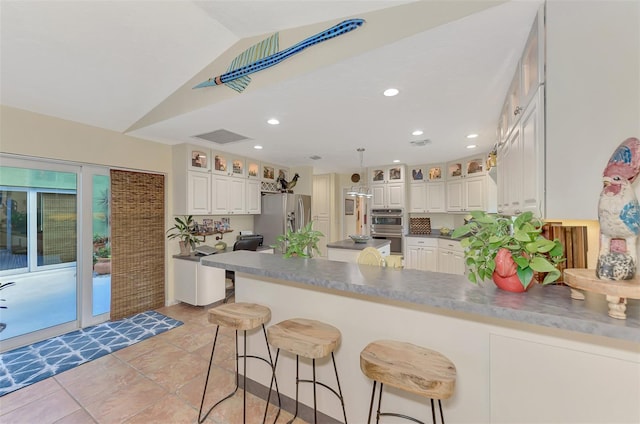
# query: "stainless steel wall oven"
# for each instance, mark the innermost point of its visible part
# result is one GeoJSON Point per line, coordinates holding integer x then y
{"type": "Point", "coordinates": [388, 224]}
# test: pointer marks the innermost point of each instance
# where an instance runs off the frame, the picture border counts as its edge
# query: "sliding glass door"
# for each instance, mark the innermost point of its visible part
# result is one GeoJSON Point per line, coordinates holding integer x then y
{"type": "Point", "coordinates": [46, 256]}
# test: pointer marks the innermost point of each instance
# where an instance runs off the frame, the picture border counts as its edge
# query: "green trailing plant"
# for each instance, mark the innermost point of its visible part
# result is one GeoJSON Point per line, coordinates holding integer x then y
{"type": "Point", "coordinates": [302, 243]}
{"type": "Point", "coordinates": [485, 234]}
{"type": "Point", "coordinates": [104, 252]}
{"type": "Point", "coordinates": [184, 230]}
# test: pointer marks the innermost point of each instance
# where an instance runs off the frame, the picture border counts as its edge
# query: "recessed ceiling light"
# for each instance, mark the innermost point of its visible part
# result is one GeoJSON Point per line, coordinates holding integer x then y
{"type": "Point", "coordinates": [417, 132]}
{"type": "Point", "coordinates": [273, 121]}
{"type": "Point", "coordinates": [396, 161]}
{"type": "Point", "coordinates": [471, 146]}
{"type": "Point", "coordinates": [390, 92]}
{"type": "Point", "coordinates": [257, 147]}
{"type": "Point", "coordinates": [472, 136]}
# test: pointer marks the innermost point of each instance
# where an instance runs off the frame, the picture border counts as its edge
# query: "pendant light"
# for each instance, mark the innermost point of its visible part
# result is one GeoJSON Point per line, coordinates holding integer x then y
{"type": "Point", "coordinates": [361, 190]}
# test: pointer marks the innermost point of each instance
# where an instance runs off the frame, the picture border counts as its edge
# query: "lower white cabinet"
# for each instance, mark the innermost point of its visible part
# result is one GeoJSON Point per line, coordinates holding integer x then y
{"type": "Point", "coordinates": [421, 253]}
{"type": "Point", "coordinates": [450, 257]}
{"type": "Point", "coordinates": [196, 284]}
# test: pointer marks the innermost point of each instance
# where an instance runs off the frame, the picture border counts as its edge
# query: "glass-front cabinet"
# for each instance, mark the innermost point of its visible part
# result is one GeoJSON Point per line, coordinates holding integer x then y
{"type": "Point", "coordinates": [387, 174]}
{"type": "Point", "coordinates": [253, 169]}
{"type": "Point", "coordinates": [226, 164]}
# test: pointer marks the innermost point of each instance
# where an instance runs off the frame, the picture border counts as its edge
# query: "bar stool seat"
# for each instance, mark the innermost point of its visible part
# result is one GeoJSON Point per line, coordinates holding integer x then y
{"type": "Point", "coordinates": [408, 367]}
{"type": "Point", "coordinates": [310, 339]}
{"type": "Point", "coordinates": [240, 317]}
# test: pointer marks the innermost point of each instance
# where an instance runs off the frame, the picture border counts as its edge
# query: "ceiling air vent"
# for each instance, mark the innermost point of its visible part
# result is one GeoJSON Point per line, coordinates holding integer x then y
{"type": "Point", "coordinates": [222, 137]}
{"type": "Point", "coordinates": [315, 157]}
{"type": "Point", "coordinates": [420, 143]}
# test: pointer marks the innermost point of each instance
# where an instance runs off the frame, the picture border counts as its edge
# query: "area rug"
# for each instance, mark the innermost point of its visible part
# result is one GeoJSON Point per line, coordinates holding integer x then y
{"type": "Point", "coordinates": [29, 364]}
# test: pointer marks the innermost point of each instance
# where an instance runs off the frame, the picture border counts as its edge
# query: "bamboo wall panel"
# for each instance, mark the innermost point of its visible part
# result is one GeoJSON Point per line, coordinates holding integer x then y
{"type": "Point", "coordinates": [137, 243]}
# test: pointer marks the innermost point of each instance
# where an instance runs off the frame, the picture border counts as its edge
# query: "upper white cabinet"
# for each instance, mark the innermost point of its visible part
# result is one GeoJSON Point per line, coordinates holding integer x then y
{"type": "Point", "coordinates": [388, 186]}
{"type": "Point", "coordinates": [388, 196]}
{"type": "Point", "coordinates": [426, 188]}
{"type": "Point", "coordinates": [520, 163]}
{"type": "Point", "coordinates": [226, 164]}
{"type": "Point", "coordinates": [469, 187]}
{"type": "Point", "coordinates": [521, 145]}
{"type": "Point", "coordinates": [214, 183]}
{"type": "Point", "coordinates": [387, 174]}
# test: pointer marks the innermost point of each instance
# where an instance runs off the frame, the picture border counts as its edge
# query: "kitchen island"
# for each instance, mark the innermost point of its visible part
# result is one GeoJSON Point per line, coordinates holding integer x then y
{"type": "Point", "coordinates": [536, 357]}
{"type": "Point", "coordinates": [347, 250]}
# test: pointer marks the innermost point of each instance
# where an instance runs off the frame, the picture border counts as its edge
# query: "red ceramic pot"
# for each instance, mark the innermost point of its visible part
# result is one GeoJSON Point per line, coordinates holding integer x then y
{"type": "Point", "coordinates": [511, 283]}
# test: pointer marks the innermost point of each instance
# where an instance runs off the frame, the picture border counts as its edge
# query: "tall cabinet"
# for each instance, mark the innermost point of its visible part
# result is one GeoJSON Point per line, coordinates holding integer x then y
{"type": "Point", "coordinates": [388, 187]}
{"type": "Point", "coordinates": [322, 205]}
{"type": "Point", "coordinates": [521, 143]}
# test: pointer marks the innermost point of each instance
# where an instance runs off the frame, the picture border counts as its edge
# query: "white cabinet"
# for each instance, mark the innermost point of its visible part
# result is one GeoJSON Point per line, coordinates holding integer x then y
{"type": "Point", "coordinates": [322, 205]}
{"type": "Point", "coordinates": [191, 180]}
{"type": "Point", "coordinates": [421, 253]}
{"type": "Point", "coordinates": [470, 194]}
{"type": "Point", "coordinates": [521, 161]}
{"type": "Point", "coordinates": [253, 202]}
{"type": "Point", "coordinates": [387, 174]}
{"type": "Point", "coordinates": [451, 257]}
{"type": "Point", "coordinates": [198, 193]}
{"type": "Point", "coordinates": [388, 196]}
{"type": "Point", "coordinates": [196, 284]}
{"type": "Point", "coordinates": [427, 197]}
{"type": "Point", "coordinates": [228, 195]}
{"type": "Point", "coordinates": [227, 164]}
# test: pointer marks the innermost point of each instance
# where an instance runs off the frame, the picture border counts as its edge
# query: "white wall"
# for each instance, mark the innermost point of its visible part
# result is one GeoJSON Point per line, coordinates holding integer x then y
{"type": "Point", "coordinates": [592, 97]}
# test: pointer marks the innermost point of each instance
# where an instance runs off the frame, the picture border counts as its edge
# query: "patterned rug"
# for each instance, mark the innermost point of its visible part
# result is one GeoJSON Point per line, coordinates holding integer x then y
{"type": "Point", "coordinates": [30, 364]}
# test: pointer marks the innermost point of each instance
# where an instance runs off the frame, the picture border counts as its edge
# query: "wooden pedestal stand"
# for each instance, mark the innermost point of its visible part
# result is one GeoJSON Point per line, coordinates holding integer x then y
{"type": "Point", "coordinates": [617, 292]}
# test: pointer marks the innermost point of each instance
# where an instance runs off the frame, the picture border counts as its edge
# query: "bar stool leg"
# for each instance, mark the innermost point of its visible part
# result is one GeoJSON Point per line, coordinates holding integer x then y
{"type": "Point", "coordinates": [206, 383]}
{"type": "Point", "coordinates": [315, 405]}
{"type": "Point", "coordinates": [295, 415]}
{"type": "Point", "coordinates": [335, 369]}
{"type": "Point", "coordinates": [273, 379]}
{"type": "Point", "coordinates": [373, 395]}
{"type": "Point", "coordinates": [379, 404]}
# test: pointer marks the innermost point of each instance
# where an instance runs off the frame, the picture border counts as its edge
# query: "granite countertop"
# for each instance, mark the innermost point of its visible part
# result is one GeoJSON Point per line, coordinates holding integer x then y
{"type": "Point", "coordinates": [434, 234]}
{"type": "Point", "coordinates": [548, 306]}
{"type": "Point", "coordinates": [350, 244]}
{"type": "Point", "coordinates": [196, 258]}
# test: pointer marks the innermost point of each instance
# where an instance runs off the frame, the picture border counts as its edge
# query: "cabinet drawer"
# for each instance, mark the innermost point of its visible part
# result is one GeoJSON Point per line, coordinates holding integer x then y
{"type": "Point", "coordinates": [450, 244]}
{"type": "Point", "coordinates": [422, 242]}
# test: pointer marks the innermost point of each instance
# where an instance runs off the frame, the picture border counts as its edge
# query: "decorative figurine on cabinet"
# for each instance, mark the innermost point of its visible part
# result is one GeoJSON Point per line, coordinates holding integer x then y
{"type": "Point", "coordinates": [619, 214]}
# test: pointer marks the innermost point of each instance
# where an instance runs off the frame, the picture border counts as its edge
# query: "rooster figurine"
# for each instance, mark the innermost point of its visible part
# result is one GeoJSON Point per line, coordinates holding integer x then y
{"type": "Point", "coordinates": [619, 214]}
{"type": "Point", "coordinates": [287, 187]}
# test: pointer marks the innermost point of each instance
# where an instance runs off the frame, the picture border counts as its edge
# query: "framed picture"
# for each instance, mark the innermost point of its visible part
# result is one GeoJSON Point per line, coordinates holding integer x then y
{"type": "Point", "coordinates": [435, 173]}
{"type": "Point", "coordinates": [253, 169]}
{"type": "Point", "coordinates": [268, 173]}
{"type": "Point", "coordinates": [199, 160]}
{"type": "Point", "coordinates": [349, 205]}
{"type": "Point", "coordinates": [220, 163]}
{"type": "Point", "coordinates": [416, 174]}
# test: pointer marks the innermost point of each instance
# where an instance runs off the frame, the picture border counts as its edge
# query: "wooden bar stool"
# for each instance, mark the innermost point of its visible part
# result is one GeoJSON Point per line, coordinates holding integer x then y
{"type": "Point", "coordinates": [411, 368]}
{"type": "Point", "coordinates": [310, 339]}
{"type": "Point", "coordinates": [241, 317]}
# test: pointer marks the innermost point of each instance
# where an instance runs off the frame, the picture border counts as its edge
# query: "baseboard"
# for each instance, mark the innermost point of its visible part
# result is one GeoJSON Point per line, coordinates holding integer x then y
{"type": "Point", "coordinates": [288, 404]}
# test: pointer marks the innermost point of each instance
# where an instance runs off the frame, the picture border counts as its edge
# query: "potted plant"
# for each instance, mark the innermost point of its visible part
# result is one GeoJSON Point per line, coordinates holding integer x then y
{"type": "Point", "coordinates": [508, 250]}
{"type": "Point", "coordinates": [301, 243]}
{"type": "Point", "coordinates": [102, 261]}
{"type": "Point", "coordinates": [184, 231]}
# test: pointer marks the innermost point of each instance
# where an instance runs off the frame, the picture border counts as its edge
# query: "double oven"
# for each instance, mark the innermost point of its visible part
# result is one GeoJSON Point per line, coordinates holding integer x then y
{"type": "Point", "coordinates": [388, 224]}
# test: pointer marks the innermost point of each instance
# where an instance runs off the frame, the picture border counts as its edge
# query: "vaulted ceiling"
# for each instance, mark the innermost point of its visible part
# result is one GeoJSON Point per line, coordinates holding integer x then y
{"type": "Point", "coordinates": [130, 67]}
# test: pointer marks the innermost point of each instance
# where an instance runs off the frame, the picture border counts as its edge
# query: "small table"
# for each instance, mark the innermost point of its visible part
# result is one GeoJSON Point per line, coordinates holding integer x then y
{"type": "Point", "coordinates": [616, 291]}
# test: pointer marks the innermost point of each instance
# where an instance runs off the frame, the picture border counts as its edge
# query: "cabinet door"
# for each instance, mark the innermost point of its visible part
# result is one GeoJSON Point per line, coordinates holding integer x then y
{"type": "Point", "coordinates": [457, 263]}
{"type": "Point", "coordinates": [321, 199]}
{"type": "Point", "coordinates": [444, 261]}
{"type": "Point", "coordinates": [417, 197]}
{"type": "Point", "coordinates": [221, 163]}
{"type": "Point", "coordinates": [198, 193]}
{"type": "Point", "coordinates": [253, 202]}
{"type": "Point", "coordinates": [411, 257]}
{"type": "Point", "coordinates": [220, 203]}
{"type": "Point", "coordinates": [435, 201]}
{"type": "Point", "coordinates": [429, 259]}
{"type": "Point", "coordinates": [378, 200]}
{"type": "Point", "coordinates": [236, 196]}
{"type": "Point", "coordinates": [395, 196]}
{"type": "Point", "coordinates": [322, 224]}
{"type": "Point", "coordinates": [531, 145]}
{"type": "Point", "coordinates": [474, 194]}
{"type": "Point", "coordinates": [503, 160]}
{"type": "Point", "coordinates": [253, 169]}
{"type": "Point", "coordinates": [514, 170]}
{"type": "Point", "coordinates": [237, 167]}
{"type": "Point", "coordinates": [454, 196]}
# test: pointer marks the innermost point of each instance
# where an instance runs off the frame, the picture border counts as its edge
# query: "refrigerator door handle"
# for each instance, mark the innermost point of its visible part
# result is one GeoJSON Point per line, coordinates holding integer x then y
{"type": "Point", "coordinates": [300, 214]}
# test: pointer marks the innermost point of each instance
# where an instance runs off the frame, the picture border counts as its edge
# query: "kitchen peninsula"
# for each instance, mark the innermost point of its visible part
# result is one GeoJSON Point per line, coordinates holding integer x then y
{"type": "Point", "coordinates": [539, 355]}
{"type": "Point", "coordinates": [348, 250]}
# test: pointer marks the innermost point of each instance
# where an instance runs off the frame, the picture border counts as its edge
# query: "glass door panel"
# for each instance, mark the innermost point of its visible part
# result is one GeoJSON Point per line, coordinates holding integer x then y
{"type": "Point", "coordinates": [101, 293]}
{"type": "Point", "coordinates": [13, 231]}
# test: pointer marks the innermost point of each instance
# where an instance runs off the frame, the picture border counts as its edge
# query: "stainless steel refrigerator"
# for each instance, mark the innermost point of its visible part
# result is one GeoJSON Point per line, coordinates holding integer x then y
{"type": "Point", "coordinates": [281, 212]}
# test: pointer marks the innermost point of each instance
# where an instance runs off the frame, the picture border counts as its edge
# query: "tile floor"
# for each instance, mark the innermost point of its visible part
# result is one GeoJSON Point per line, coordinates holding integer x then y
{"type": "Point", "coordinates": [158, 380]}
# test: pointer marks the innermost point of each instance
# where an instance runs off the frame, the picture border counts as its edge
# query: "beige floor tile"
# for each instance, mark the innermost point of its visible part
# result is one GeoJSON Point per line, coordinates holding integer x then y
{"type": "Point", "coordinates": [189, 337]}
{"type": "Point", "coordinates": [126, 402]}
{"type": "Point", "coordinates": [221, 383]}
{"type": "Point", "coordinates": [47, 409]}
{"type": "Point", "coordinates": [26, 395]}
{"type": "Point", "coordinates": [169, 409]}
{"type": "Point", "coordinates": [97, 379]}
{"type": "Point", "coordinates": [79, 417]}
{"type": "Point", "coordinates": [170, 366]}
{"type": "Point", "coordinates": [138, 349]}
